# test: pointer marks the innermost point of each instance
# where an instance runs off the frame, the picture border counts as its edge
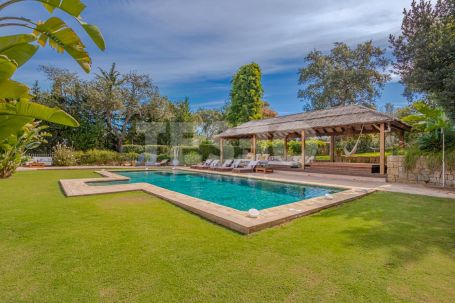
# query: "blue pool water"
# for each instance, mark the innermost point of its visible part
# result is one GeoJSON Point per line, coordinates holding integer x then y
{"type": "Point", "coordinates": [238, 193]}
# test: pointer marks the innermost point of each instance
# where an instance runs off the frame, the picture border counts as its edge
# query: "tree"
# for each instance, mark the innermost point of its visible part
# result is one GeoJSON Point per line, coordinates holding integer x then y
{"type": "Point", "coordinates": [267, 111]}
{"type": "Point", "coordinates": [425, 52]}
{"type": "Point", "coordinates": [183, 123]}
{"type": "Point", "coordinates": [210, 122]}
{"type": "Point", "coordinates": [120, 98]}
{"type": "Point", "coordinates": [246, 95]}
{"type": "Point", "coordinates": [389, 109]}
{"type": "Point", "coordinates": [71, 94]}
{"type": "Point", "coordinates": [434, 122]}
{"type": "Point", "coordinates": [345, 76]}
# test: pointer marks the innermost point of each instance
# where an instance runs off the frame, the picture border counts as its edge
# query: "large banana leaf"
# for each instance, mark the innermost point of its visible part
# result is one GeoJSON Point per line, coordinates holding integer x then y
{"type": "Point", "coordinates": [10, 89]}
{"type": "Point", "coordinates": [20, 53]}
{"type": "Point", "coordinates": [63, 38]}
{"type": "Point", "coordinates": [428, 118]}
{"type": "Point", "coordinates": [94, 33]}
{"type": "Point", "coordinates": [9, 41]}
{"type": "Point", "coordinates": [7, 67]}
{"type": "Point", "coordinates": [11, 125]}
{"type": "Point", "coordinates": [37, 111]}
{"type": "Point", "coordinates": [75, 8]}
{"type": "Point", "coordinates": [72, 7]}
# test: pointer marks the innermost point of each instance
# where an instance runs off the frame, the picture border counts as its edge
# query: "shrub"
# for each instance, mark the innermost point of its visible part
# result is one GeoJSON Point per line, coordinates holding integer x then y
{"type": "Point", "coordinates": [432, 141]}
{"type": "Point", "coordinates": [131, 156]}
{"type": "Point", "coordinates": [206, 150]}
{"type": "Point", "coordinates": [191, 158]}
{"type": "Point", "coordinates": [161, 157]}
{"type": "Point", "coordinates": [294, 147]}
{"type": "Point", "coordinates": [64, 155]}
{"type": "Point", "coordinates": [156, 149]}
{"type": "Point", "coordinates": [13, 148]}
{"type": "Point", "coordinates": [100, 157]}
{"type": "Point", "coordinates": [133, 148]}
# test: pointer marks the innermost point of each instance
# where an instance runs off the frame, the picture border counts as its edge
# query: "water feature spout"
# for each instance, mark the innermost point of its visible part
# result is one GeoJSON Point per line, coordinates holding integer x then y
{"type": "Point", "coordinates": [175, 159]}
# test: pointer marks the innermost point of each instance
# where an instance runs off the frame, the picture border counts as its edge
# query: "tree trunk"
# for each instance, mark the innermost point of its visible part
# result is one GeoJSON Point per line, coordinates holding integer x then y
{"type": "Point", "coordinates": [119, 144]}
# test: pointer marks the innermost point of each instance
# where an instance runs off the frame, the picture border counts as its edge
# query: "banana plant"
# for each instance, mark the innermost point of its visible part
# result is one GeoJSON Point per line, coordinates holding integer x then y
{"type": "Point", "coordinates": [15, 50]}
{"type": "Point", "coordinates": [431, 119]}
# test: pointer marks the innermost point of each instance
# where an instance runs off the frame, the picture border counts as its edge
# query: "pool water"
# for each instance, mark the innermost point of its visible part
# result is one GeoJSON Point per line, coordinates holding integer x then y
{"type": "Point", "coordinates": [235, 192]}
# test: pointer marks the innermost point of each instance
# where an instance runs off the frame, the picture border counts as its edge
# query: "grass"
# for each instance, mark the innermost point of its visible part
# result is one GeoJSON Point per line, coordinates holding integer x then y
{"type": "Point", "coordinates": [133, 247]}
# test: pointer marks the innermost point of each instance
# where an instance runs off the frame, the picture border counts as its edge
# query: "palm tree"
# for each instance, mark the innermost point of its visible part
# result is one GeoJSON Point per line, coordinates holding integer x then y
{"type": "Point", "coordinates": [431, 119]}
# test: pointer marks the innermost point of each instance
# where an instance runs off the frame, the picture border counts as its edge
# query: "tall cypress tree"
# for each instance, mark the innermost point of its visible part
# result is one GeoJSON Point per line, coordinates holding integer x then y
{"type": "Point", "coordinates": [246, 95]}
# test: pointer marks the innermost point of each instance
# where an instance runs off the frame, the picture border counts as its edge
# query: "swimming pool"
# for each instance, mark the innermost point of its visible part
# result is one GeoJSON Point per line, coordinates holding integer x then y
{"type": "Point", "coordinates": [235, 192]}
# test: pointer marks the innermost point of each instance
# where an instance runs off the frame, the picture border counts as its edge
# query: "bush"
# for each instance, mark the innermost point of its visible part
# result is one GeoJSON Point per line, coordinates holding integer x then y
{"type": "Point", "coordinates": [432, 141]}
{"type": "Point", "coordinates": [64, 156]}
{"type": "Point", "coordinates": [131, 156]}
{"type": "Point", "coordinates": [133, 148]}
{"type": "Point", "coordinates": [206, 150]}
{"type": "Point", "coordinates": [295, 148]}
{"type": "Point", "coordinates": [161, 157]}
{"type": "Point", "coordinates": [191, 158]}
{"type": "Point", "coordinates": [149, 157]}
{"type": "Point", "coordinates": [156, 149]}
{"type": "Point", "coordinates": [100, 157]}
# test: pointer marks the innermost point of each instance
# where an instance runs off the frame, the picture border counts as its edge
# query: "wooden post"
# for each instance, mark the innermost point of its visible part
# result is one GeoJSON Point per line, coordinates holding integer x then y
{"type": "Point", "coordinates": [221, 149]}
{"type": "Point", "coordinates": [332, 148]}
{"type": "Point", "coordinates": [285, 152]}
{"type": "Point", "coordinates": [382, 149]}
{"type": "Point", "coordinates": [303, 149]}
{"type": "Point", "coordinates": [401, 139]}
{"type": "Point", "coordinates": [253, 147]}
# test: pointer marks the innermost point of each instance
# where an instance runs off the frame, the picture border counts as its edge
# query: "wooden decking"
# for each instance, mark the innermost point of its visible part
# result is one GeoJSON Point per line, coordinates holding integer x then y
{"type": "Point", "coordinates": [340, 168]}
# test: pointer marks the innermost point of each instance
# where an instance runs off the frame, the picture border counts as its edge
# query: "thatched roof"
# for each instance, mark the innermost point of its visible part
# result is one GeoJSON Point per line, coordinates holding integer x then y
{"type": "Point", "coordinates": [337, 120]}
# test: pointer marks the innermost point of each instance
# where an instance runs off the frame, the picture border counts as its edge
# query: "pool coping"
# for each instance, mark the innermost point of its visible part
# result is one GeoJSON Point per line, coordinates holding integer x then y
{"type": "Point", "coordinates": [231, 218]}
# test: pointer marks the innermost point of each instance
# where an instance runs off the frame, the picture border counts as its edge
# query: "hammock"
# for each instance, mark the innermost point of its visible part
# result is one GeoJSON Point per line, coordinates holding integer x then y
{"type": "Point", "coordinates": [354, 149]}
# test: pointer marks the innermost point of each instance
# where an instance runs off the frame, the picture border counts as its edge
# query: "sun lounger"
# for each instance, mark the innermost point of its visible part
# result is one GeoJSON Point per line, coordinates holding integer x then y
{"type": "Point", "coordinates": [226, 164]}
{"type": "Point", "coordinates": [214, 163]}
{"type": "Point", "coordinates": [235, 164]}
{"type": "Point", "coordinates": [248, 169]}
{"type": "Point", "coordinates": [162, 162]}
{"type": "Point", "coordinates": [201, 166]}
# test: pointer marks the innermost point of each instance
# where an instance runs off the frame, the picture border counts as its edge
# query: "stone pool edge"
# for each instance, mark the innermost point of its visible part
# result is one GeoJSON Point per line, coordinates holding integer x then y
{"type": "Point", "coordinates": [219, 214]}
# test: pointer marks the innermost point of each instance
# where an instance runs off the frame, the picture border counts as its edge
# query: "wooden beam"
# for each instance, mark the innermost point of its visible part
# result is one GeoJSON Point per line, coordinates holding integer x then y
{"type": "Point", "coordinates": [285, 151]}
{"type": "Point", "coordinates": [401, 138]}
{"type": "Point", "coordinates": [253, 147]}
{"type": "Point", "coordinates": [382, 149]}
{"type": "Point", "coordinates": [302, 136]}
{"type": "Point", "coordinates": [339, 129]}
{"type": "Point", "coordinates": [332, 148]}
{"type": "Point", "coordinates": [221, 150]}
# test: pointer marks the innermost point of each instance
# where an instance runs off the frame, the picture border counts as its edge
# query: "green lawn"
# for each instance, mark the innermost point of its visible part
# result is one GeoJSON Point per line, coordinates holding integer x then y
{"type": "Point", "coordinates": [132, 247]}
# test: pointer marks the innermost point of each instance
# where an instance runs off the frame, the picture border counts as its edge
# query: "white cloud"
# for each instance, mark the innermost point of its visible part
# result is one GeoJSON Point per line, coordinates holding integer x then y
{"type": "Point", "coordinates": [180, 41]}
{"type": "Point", "coordinates": [177, 40]}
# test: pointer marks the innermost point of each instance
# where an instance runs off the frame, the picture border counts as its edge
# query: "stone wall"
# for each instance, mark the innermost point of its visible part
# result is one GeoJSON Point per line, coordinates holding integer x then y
{"type": "Point", "coordinates": [421, 174]}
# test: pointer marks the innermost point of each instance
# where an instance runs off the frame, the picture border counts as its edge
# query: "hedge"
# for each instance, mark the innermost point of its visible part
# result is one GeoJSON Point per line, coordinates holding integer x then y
{"type": "Point", "coordinates": [65, 156]}
{"type": "Point", "coordinates": [149, 148]}
{"type": "Point", "coordinates": [207, 150]}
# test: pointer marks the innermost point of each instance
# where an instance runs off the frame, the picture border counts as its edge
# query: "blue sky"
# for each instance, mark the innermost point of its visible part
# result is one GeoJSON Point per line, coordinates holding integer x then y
{"type": "Point", "coordinates": [192, 48]}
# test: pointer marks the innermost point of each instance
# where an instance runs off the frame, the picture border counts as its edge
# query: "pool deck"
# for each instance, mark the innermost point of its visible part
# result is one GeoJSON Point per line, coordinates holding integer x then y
{"type": "Point", "coordinates": [225, 216]}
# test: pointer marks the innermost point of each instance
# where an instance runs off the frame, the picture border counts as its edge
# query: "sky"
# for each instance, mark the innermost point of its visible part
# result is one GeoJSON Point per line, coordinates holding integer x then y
{"type": "Point", "coordinates": [192, 48]}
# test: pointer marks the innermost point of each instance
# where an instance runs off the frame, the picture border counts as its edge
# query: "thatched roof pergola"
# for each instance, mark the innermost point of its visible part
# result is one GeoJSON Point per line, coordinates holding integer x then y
{"type": "Point", "coordinates": [334, 121]}
{"type": "Point", "coordinates": [342, 120]}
